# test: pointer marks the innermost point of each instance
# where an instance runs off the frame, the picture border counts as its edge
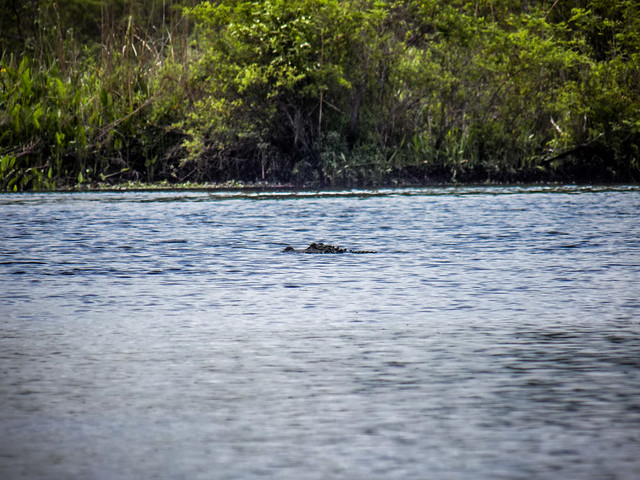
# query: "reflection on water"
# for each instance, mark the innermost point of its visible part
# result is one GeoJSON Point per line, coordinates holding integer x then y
{"type": "Point", "coordinates": [165, 335]}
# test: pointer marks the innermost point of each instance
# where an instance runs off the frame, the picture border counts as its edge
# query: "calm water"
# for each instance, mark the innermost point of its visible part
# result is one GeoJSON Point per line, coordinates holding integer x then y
{"type": "Point", "coordinates": [496, 335]}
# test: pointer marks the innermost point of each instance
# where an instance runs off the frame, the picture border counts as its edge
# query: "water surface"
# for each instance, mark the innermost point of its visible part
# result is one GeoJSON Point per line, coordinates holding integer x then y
{"type": "Point", "coordinates": [163, 335]}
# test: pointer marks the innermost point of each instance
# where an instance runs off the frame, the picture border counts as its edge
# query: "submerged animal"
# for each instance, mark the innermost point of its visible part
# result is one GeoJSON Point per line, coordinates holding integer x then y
{"type": "Point", "coordinates": [322, 248]}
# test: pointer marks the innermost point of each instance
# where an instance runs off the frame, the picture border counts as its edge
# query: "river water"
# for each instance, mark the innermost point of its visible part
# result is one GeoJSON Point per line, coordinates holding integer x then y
{"type": "Point", "coordinates": [163, 335]}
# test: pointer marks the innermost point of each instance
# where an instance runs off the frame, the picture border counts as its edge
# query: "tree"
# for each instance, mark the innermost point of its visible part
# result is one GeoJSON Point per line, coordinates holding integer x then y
{"type": "Point", "coordinates": [277, 77]}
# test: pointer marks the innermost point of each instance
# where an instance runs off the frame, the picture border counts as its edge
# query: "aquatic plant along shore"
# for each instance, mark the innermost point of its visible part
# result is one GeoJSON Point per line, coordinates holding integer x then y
{"type": "Point", "coordinates": [318, 93]}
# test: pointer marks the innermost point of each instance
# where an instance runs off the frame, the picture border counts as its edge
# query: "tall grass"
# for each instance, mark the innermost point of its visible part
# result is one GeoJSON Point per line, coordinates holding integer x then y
{"type": "Point", "coordinates": [71, 114]}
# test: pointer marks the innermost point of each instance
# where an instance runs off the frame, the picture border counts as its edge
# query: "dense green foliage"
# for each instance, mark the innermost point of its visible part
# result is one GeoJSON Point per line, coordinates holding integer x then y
{"type": "Point", "coordinates": [318, 92]}
{"type": "Point", "coordinates": [88, 89]}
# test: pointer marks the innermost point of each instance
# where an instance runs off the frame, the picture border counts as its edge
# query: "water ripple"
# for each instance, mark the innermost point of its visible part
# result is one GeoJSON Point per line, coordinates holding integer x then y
{"type": "Point", "coordinates": [495, 334]}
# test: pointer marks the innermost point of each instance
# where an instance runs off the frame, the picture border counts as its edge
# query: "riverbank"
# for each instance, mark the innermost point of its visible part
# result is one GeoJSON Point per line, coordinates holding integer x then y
{"type": "Point", "coordinates": [257, 187]}
{"type": "Point", "coordinates": [240, 91]}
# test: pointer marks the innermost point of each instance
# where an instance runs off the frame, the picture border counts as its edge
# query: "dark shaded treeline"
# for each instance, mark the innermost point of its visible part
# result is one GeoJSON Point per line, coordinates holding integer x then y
{"type": "Point", "coordinates": [318, 92]}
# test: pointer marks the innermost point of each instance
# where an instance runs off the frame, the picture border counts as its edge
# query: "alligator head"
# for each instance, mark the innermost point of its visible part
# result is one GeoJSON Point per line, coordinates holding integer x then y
{"type": "Point", "coordinates": [323, 248]}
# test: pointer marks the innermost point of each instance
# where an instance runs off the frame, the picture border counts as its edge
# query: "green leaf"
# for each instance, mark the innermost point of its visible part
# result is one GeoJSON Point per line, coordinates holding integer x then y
{"type": "Point", "coordinates": [37, 114]}
{"type": "Point", "coordinates": [61, 90]}
{"type": "Point", "coordinates": [60, 136]}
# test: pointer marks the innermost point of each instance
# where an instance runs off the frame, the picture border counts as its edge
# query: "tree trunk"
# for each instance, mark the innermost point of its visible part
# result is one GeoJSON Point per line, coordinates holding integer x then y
{"type": "Point", "coordinates": [352, 133]}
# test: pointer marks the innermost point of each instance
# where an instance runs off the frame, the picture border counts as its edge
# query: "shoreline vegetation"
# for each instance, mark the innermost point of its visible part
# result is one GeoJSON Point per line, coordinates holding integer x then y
{"type": "Point", "coordinates": [154, 94]}
{"type": "Point", "coordinates": [316, 189]}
